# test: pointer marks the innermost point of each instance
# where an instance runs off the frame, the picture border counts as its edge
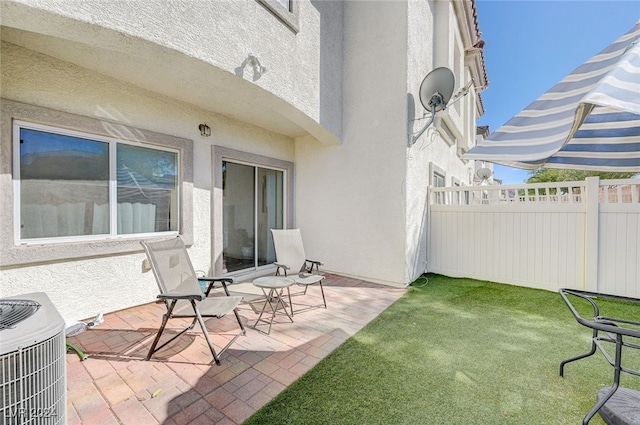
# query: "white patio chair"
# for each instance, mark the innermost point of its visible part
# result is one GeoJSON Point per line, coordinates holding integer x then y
{"type": "Point", "coordinates": [183, 295]}
{"type": "Point", "coordinates": [292, 262]}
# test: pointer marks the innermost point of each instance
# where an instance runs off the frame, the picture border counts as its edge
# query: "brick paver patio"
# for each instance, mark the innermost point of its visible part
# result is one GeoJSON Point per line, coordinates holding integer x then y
{"type": "Point", "coordinates": [182, 385]}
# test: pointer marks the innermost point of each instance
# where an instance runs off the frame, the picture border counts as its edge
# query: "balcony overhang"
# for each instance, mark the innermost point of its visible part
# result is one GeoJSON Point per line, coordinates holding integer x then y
{"type": "Point", "coordinates": [159, 69]}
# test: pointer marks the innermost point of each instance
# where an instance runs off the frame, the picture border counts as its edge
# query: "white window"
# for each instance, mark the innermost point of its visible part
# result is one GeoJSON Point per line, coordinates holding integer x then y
{"type": "Point", "coordinates": [438, 180]}
{"type": "Point", "coordinates": [71, 185]}
{"type": "Point", "coordinates": [286, 4]}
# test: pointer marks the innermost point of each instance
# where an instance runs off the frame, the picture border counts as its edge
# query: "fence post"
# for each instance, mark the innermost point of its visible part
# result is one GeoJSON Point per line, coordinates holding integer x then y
{"type": "Point", "coordinates": [591, 221]}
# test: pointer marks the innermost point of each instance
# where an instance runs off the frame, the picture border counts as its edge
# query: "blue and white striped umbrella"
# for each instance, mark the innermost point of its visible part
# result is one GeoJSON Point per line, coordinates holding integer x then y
{"type": "Point", "coordinates": [588, 121]}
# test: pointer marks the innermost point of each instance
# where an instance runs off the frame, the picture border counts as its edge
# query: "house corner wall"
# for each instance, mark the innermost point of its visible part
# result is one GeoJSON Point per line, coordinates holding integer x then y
{"type": "Point", "coordinates": [350, 198]}
{"type": "Point", "coordinates": [420, 57]}
{"type": "Point", "coordinates": [435, 39]}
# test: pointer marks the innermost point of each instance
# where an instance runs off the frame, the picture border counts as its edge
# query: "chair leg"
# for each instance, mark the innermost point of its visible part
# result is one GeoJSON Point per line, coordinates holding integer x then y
{"type": "Point", "coordinates": [616, 382]}
{"type": "Point", "coordinates": [205, 332]}
{"type": "Point", "coordinates": [581, 356]}
{"type": "Point", "coordinates": [200, 320]}
{"type": "Point", "coordinates": [309, 307]}
{"type": "Point", "coordinates": [243, 331]}
{"type": "Point", "coordinates": [216, 356]}
{"type": "Point", "coordinates": [290, 303]}
{"type": "Point", "coordinates": [324, 300]}
{"type": "Point", "coordinates": [236, 336]}
{"type": "Point", "coordinates": [165, 319]}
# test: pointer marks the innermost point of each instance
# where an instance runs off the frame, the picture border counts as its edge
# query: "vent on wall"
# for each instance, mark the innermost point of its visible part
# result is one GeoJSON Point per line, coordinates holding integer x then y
{"type": "Point", "coordinates": [32, 361]}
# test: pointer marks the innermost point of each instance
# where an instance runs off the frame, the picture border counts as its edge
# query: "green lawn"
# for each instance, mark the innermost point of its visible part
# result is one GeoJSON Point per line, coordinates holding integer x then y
{"type": "Point", "coordinates": [456, 351]}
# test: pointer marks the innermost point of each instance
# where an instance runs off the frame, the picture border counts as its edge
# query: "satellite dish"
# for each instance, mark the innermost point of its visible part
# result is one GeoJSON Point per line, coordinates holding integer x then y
{"type": "Point", "coordinates": [435, 92]}
{"type": "Point", "coordinates": [484, 173]}
{"type": "Point", "coordinates": [436, 89]}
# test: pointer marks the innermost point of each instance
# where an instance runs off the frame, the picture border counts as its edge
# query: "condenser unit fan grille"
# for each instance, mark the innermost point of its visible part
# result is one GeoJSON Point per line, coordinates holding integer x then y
{"type": "Point", "coordinates": [33, 378]}
{"type": "Point", "coordinates": [33, 384]}
{"type": "Point", "coordinates": [13, 312]}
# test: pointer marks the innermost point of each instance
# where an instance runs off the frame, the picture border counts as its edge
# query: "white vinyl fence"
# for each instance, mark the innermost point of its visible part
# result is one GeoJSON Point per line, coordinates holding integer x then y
{"type": "Point", "coordinates": [582, 235]}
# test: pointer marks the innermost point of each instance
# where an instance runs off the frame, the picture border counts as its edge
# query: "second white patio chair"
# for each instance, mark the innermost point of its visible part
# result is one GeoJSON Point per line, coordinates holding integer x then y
{"type": "Point", "coordinates": [183, 295]}
{"type": "Point", "coordinates": [292, 262]}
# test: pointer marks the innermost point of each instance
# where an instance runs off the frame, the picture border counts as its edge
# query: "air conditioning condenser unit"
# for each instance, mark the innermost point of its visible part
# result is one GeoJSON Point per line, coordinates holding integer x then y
{"type": "Point", "coordinates": [33, 378]}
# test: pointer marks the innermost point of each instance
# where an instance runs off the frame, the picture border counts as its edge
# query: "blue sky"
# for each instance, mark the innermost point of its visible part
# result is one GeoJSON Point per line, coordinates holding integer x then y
{"type": "Point", "coordinates": [533, 44]}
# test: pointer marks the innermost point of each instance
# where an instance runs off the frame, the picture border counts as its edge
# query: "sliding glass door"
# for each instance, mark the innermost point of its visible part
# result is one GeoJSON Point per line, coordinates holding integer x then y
{"type": "Point", "coordinates": [253, 203]}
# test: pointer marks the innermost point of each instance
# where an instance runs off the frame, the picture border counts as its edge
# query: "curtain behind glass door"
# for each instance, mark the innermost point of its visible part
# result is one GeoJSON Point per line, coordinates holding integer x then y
{"type": "Point", "coordinates": [270, 212]}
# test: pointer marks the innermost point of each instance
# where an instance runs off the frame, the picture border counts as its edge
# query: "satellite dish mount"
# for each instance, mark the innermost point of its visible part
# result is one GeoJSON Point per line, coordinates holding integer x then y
{"type": "Point", "coordinates": [435, 92]}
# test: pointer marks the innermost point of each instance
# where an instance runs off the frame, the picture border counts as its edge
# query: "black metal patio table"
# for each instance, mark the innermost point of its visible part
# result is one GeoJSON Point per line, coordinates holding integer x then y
{"type": "Point", "coordinates": [624, 334]}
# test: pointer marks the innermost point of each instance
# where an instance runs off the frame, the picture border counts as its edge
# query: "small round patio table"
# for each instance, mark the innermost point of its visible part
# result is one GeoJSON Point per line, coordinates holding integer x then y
{"type": "Point", "coordinates": [273, 298]}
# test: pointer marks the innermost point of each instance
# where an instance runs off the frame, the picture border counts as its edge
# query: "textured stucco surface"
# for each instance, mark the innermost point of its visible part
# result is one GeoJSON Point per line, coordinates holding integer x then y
{"type": "Point", "coordinates": [354, 193]}
{"type": "Point", "coordinates": [111, 278]}
{"type": "Point", "coordinates": [334, 107]}
{"type": "Point", "coordinates": [421, 36]}
{"type": "Point", "coordinates": [432, 33]}
{"type": "Point", "coordinates": [369, 195]}
{"type": "Point", "coordinates": [193, 51]}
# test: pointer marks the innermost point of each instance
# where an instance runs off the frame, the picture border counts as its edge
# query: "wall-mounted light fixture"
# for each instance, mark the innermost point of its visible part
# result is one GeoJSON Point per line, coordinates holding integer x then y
{"type": "Point", "coordinates": [205, 130]}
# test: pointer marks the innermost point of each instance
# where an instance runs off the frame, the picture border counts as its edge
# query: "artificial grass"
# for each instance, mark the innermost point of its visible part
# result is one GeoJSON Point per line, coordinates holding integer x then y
{"type": "Point", "coordinates": [455, 351]}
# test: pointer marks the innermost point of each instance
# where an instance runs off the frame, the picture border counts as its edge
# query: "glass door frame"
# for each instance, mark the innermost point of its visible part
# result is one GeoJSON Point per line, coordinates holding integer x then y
{"type": "Point", "coordinates": [256, 200]}
{"type": "Point", "coordinates": [219, 155]}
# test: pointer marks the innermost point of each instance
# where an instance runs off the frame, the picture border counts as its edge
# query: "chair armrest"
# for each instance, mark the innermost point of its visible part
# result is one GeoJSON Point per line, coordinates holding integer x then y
{"type": "Point", "coordinates": [281, 266]}
{"type": "Point", "coordinates": [213, 280]}
{"type": "Point", "coordinates": [315, 263]}
{"type": "Point", "coordinates": [217, 279]}
{"type": "Point", "coordinates": [171, 296]}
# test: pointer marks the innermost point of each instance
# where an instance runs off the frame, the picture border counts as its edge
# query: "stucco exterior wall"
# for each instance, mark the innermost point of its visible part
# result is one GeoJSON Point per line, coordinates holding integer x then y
{"type": "Point", "coordinates": [420, 48]}
{"type": "Point", "coordinates": [432, 37]}
{"type": "Point", "coordinates": [194, 52]}
{"type": "Point", "coordinates": [221, 33]}
{"type": "Point", "coordinates": [36, 79]}
{"type": "Point", "coordinates": [334, 109]}
{"type": "Point", "coordinates": [350, 203]}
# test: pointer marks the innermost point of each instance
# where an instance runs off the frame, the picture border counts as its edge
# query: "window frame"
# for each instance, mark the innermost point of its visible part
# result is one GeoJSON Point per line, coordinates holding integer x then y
{"type": "Point", "coordinates": [288, 17]}
{"type": "Point", "coordinates": [434, 171]}
{"type": "Point", "coordinates": [112, 184]}
{"type": "Point", "coordinates": [12, 254]}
